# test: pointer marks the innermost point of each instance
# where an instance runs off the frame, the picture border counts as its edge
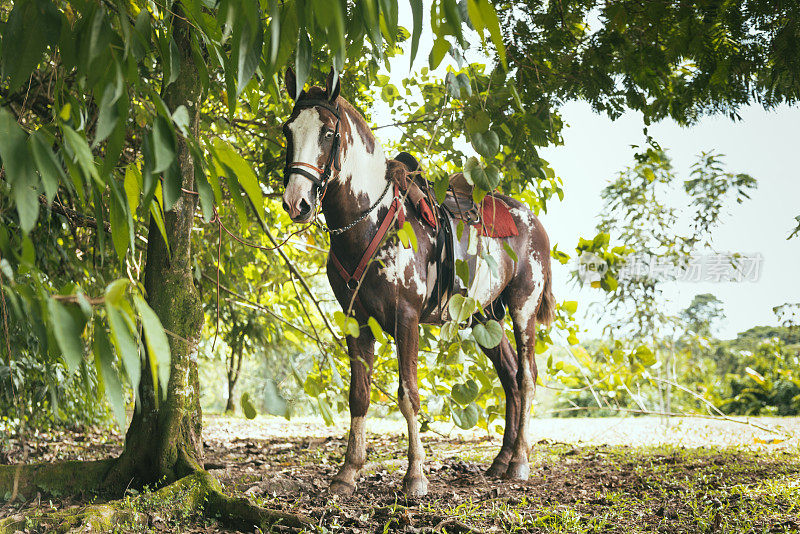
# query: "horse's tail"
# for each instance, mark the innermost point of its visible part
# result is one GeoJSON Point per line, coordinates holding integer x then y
{"type": "Point", "coordinates": [547, 307]}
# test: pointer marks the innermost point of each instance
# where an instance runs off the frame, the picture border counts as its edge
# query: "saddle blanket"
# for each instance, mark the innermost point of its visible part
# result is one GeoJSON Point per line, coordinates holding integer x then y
{"type": "Point", "coordinates": [496, 220]}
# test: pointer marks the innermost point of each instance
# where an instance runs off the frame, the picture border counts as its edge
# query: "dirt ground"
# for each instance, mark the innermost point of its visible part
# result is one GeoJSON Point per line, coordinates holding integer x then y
{"type": "Point", "coordinates": [587, 475]}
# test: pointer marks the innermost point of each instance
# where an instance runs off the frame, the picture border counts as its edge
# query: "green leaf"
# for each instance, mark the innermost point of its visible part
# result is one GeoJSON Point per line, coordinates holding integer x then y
{"type": "Point", "coordinates": [119, 227]}
{"type": "Point", "coordinates": [448, 330]}
{"type": "Point", "coordinates": [473, 10]}
{"type": "Point", "coordinates": [30, 28]}
{"type": "Point", "coordinates": [377, 331]}
{"type": "Point", "coordinates": [171, 186]}
{"type": "Point", "coordinates": [67, 333]}
{"type": "Point", "coordinates": [510, 251]}
{"type": "Point", "coordinates": [133, 187]}
{"type": "Point", "coordinates": [312, 387]}
{"type": "Point", "coordinates": [157, 344]}
{"type": "Point", "coordinates": [107, 114]}
{"type": "Point", "coordinates": [81, 154]}
{"type": "Point", "coordinates": [440, 47]}
{"type": "Point", "coordinates": [274, 401]}
{"type": "Point", "coordinates": [158, 217]}
{"type": "Point", "coordinates": [348, 325]}
{"type": "Point", "coordinates": [488, 335]}
{"type": "Point", "coordinates": [408, 230]}
{"type": "Point", "coordinates": [489, 19]}
{"type": "Point", "coordinates": [570, 306]}
{"type": "Point", "coordinates": [461, 308]}
{"type": "Point", "coordinates": [487, 144]}
{"type": "Point", "coordinates": [302, 62]}
{"type": "Point", "coordinates": [164, 144]}
{"type": "Point", "coordinates": [462, 271]}
{"type": "Point", "coordinates": [325, 410]}
{"type": "Point", "coordinates": [466, 418]}
{"type": "Point", "coordinates": [465, 393]}
{"type": "Point", "coordinates": [107, 375]}
{"type": "Point", "coordinates": [484, 179]}
{"type": "Point", "coordinates": [248, 36]}
{"type": "Point", "coordinates": [416, 11]}
{"type": "Point", "coordinates": [453, 17]}
{"type": "Point", "coordinates": [248, 409]}
{"type": "Point", "coordinates": [478, 122]}
{"type": "Point", "coordinates": [645, 355]}
{"type": "Point", "coordinates": [47, 164]}
{"type": "Point", "coordinates": [440, 187]}
{"type": "Point", "coordinates": [243, 173]}
{"type": "Point", "coordinates": [126, 345]}
{"type": "Point", "coordinates": [515, 95]}
{"type": "Point", "coordinates": [17, 162]}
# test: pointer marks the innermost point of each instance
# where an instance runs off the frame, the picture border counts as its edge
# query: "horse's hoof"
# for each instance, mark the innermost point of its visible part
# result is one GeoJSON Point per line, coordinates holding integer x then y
{"type": "Point", "coordinates": [518, 471]}
{"type": "Point", "coordinates": [497, 469]}
{"type": "Point", "coordinates": [415, 487]}
{"type": "Point", "coordinates": [341, 488]}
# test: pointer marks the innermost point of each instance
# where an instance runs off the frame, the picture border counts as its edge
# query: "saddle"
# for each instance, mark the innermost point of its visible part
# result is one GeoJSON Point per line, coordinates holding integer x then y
{"type": "Point", "coordinates": [490, 218]}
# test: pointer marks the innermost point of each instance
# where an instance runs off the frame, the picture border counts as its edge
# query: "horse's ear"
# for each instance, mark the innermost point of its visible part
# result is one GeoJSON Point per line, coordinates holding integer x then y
{"type": "Point", "coordinates": [290, 80]}
{"type": "Point", "coordinates": [332, 85]}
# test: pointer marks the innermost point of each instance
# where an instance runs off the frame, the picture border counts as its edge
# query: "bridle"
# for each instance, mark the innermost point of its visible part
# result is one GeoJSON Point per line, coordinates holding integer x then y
{"type": "Point", "coordinates": [296, 167]}
{"type": "Point", "coordinates": [334, 162]}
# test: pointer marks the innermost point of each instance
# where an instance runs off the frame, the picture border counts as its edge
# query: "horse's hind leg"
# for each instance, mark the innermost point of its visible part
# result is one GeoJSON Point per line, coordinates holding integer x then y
{"type": "Point", "coordinates": [361, 351]}
{"type": "Point", "coordinates": [505, 362]}
{"type": "Point", "coordinates": [525, 334]}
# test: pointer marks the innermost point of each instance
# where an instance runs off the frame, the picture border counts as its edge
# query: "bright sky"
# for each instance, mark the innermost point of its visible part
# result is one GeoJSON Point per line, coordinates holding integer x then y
{"type": "Point", "coordinates": [763, 144]}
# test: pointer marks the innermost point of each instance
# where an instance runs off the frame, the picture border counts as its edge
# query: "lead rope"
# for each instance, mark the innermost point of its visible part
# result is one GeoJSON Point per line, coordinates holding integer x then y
{"type": "Point", "coordinates": [343, 229]}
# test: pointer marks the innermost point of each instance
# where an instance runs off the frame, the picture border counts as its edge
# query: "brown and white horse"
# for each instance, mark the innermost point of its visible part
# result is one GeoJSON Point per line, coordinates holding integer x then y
{"type": "Point", "coordinates": [331, 153]}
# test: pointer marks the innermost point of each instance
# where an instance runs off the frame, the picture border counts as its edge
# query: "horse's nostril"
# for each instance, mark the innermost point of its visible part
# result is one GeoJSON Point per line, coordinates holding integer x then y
{"type": "Point", "coordinates": [305, 207]}
{"type": "Point", "coordinates": [285, 206]}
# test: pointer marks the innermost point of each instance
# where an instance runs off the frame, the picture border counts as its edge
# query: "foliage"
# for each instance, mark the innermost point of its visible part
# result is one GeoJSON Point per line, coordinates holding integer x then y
{"type": "Point", "coordinates": [701, 315]}
{"type": "Point", "coordinates": [665, 59]}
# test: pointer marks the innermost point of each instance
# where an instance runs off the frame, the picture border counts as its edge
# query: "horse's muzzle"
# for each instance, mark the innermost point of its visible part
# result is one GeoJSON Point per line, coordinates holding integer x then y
{"type": "Point", "coordinates": [298, 211]}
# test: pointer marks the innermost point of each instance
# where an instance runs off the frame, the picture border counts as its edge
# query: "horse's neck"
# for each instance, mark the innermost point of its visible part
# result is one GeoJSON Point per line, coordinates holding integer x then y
{"type": "Point", "coordinates": [360, 184]}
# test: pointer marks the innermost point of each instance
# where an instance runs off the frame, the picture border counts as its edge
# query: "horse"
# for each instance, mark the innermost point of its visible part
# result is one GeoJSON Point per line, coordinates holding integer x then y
{"type": "Point", "coordinates": [333, 160]}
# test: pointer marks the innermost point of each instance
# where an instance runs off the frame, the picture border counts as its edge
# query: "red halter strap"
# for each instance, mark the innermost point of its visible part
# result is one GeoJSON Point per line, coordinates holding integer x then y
{"type": "Point", "coordinates": [352, 279]}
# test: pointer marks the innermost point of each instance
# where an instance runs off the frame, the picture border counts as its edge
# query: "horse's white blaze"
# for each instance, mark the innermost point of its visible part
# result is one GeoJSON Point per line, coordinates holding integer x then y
{"type": "Point", "coordinates": [305, 129]}
{"type": "Point", "coordinates": [361, 171]}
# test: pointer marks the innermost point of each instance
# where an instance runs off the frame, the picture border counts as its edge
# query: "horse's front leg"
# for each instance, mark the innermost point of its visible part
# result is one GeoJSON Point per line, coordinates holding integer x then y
{"type": "Point", "coordinates": [361, 352]}
{"type": "Point", "coordinates": [407, 338]}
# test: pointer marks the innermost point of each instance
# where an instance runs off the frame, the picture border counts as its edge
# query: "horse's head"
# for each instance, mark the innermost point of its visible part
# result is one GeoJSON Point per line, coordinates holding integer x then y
{"type": "Point", "coordinates": [312, 146]}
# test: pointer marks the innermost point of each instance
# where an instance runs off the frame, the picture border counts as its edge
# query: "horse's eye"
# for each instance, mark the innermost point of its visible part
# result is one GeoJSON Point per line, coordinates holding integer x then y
{"type": "Point", "coordinates": [328, 134]}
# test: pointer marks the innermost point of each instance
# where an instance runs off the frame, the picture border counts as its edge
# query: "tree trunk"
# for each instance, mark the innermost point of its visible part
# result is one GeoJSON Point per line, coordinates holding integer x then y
{"type": "Point", "coordinates": [234, 369]}
{"type": "Point", "coordinates": [163, 442]}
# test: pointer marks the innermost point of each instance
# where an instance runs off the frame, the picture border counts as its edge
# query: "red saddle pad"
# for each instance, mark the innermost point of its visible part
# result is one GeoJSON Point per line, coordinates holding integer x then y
{"type": "Point", "coordinates": [496, 220]}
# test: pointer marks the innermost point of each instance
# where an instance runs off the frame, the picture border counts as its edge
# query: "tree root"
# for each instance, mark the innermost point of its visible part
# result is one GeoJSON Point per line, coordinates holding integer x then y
{"type": "Point", "coordinates": [199, 492]}
{"type": "Point", "coordinates": [55, 478]}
